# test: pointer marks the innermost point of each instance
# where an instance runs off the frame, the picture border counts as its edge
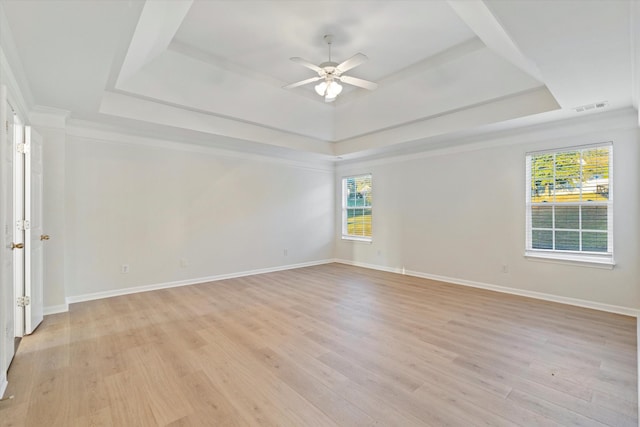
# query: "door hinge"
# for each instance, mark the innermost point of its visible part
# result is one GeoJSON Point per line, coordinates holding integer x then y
{"type": "Point", "coordinates": [23, 225]}
{"type": "Point", "coordinates": [24, 301]}
{"type": "Point", "coordinates": [22, 148]}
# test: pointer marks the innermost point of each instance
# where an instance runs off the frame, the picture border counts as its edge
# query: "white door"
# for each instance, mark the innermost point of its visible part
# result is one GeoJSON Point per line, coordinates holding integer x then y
{"type": "Point", "coordinates": [18, 216]}
{"type": "Point", "coordinates": [7, 296]}
{"type": "Point", "coordinates": [33, 235]}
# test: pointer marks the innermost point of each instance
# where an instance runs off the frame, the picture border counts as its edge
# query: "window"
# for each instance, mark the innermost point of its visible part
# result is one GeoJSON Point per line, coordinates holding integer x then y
{"type": "Point", "coordinates": [356, 207]}
{"type": "Point", "coordinates": [570, 204]}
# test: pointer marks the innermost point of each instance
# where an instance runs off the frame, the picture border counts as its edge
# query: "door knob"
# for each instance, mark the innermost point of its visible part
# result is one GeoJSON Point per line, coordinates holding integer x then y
{"type": "Point", "coordinates": [17, 245]}
{"type": "Point", "coordinates": [45, 237]}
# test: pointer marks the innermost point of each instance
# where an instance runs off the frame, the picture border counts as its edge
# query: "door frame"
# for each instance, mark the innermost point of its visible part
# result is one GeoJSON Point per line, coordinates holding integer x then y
{"type": "Point", "coordinates": [18, 225]}
{"type": "Point", "coordinates": [6, 256]}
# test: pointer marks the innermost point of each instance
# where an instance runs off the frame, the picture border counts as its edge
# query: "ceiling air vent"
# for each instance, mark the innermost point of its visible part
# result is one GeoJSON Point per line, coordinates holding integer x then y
{"type": "Point", "coordinates": [588, 107]}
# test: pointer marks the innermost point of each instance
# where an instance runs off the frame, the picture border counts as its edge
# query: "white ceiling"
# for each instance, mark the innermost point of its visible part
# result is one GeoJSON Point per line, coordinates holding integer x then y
{"type": "Point", "coordinates": [214, 70]}
{"type": "Point", "coordinates": [262, 35]}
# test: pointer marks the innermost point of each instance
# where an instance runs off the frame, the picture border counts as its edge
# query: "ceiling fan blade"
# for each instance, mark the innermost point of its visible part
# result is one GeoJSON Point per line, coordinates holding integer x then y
{"type": "Point", "coordinates": [307, 64]}
{"type": "Point", "coordinates": [354, 81]}
{"type": "Point", "coordinates": [352, 62]}
{"type": "Point", "coordinates": [303, 82]}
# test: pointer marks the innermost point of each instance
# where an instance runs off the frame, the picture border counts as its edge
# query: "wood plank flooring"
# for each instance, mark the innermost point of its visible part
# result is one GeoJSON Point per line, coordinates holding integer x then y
{"type": "Point", "coordinates": [331, 345]}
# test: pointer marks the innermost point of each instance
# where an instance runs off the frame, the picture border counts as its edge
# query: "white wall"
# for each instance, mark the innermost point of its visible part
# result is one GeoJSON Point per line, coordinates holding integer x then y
{"type": "Point", "coordinates": [151, 207]}
{"type": "Point", "coordinates": [460, 213]}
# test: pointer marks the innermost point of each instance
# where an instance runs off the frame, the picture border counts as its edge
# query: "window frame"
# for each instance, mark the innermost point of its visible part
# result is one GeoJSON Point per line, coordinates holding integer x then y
{"type": "Point", "coordinates": [344, 209]}
{"type": "Point", "coordinates": [580, 257]}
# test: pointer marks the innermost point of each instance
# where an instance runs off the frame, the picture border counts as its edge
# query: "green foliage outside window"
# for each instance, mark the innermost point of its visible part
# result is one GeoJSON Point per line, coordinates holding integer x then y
{"type": "Point", "coordinates": [570, 176]}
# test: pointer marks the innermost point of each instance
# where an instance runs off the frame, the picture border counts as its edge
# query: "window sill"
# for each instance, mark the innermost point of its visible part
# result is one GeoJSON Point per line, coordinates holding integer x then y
{"type": "Point", "coordinates": [586, 260]}
{"type": "Point", "coordinates": [357, 239]}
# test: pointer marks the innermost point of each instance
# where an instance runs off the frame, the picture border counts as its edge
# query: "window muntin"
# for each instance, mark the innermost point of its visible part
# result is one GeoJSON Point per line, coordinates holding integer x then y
{"type": "Point", "coordinates": [569, 202]}
{"type": "Point", "coordinates": [357, 207]}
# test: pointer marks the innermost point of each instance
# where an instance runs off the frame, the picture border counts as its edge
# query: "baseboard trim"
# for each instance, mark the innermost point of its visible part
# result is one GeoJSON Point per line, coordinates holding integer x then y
{"type": "Point", "coordinates": [178, 283]}
{"type": "Point", "coordinates": [497, 288]}
{"type": "Point", "coordinates": [369, 266]}
{"type": "Point", "coordinates": [55, 309]}
{"type": "Point", "coordinates": [627, 311]}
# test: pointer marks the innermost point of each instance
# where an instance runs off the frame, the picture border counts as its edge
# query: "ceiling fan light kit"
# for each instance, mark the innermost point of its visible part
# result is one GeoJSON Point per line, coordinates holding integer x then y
{"type": "Point", "coordinates": [329, 90]}
{"type": "Point", "coordinates": [331, 73]}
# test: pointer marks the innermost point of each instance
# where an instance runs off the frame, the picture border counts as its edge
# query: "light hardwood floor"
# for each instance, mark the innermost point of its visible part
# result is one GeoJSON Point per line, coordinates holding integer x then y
{"type": "Point", "coordinates": [325, 346]}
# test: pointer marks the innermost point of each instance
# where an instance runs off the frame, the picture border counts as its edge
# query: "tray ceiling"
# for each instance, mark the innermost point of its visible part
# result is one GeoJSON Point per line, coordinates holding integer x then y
{"type": "Point", "coordinates": [217, 67]}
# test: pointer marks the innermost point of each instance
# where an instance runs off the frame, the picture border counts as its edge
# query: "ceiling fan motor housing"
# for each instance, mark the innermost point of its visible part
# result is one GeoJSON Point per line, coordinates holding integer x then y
{"type": "Point", "coordinates": [329, 67]}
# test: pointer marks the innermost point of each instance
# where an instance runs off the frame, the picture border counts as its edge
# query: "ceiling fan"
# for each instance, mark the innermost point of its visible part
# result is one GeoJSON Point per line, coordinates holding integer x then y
{"type": "Point", "coordinates": [331, 73]}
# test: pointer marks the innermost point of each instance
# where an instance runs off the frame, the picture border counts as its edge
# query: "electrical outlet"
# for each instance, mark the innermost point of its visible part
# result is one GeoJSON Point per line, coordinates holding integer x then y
{"type": "Point", "coordinates": [124, 269]}
{"type": "Point", "coordinates": [183, 263]}
{"type": "Point", "coordinates": [379, 252]}
{"type": "Point", "coordinates": [286, 252]}
{"type": "Point", "coordinates": [505, 268]}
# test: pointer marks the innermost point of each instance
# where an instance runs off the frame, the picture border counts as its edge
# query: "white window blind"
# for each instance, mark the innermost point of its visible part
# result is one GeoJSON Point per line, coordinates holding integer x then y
{"type": "Point", "coordinates": [570, 204]}
{"type": "Point", "coordinates": [357, 207]}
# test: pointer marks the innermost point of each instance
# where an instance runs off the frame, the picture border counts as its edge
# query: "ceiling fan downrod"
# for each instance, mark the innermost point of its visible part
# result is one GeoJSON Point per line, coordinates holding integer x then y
{"type": "Point", "coordinates": [329, 39]}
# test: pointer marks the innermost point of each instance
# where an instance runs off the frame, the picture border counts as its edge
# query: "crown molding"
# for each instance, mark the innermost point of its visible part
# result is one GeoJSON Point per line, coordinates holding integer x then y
{"type": "Point", "coordinates": [593, 127]}
{"type": "Point", "coordinates": [15, 96]}
{"type": "Point", "coordinates": [135, 108]}
{"type": "Point", "coordinates": [101, 133]}
{"type": "Point", "coordinates": [49, 117]}
{"type": "Point", "coordinates": [500, 110]}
